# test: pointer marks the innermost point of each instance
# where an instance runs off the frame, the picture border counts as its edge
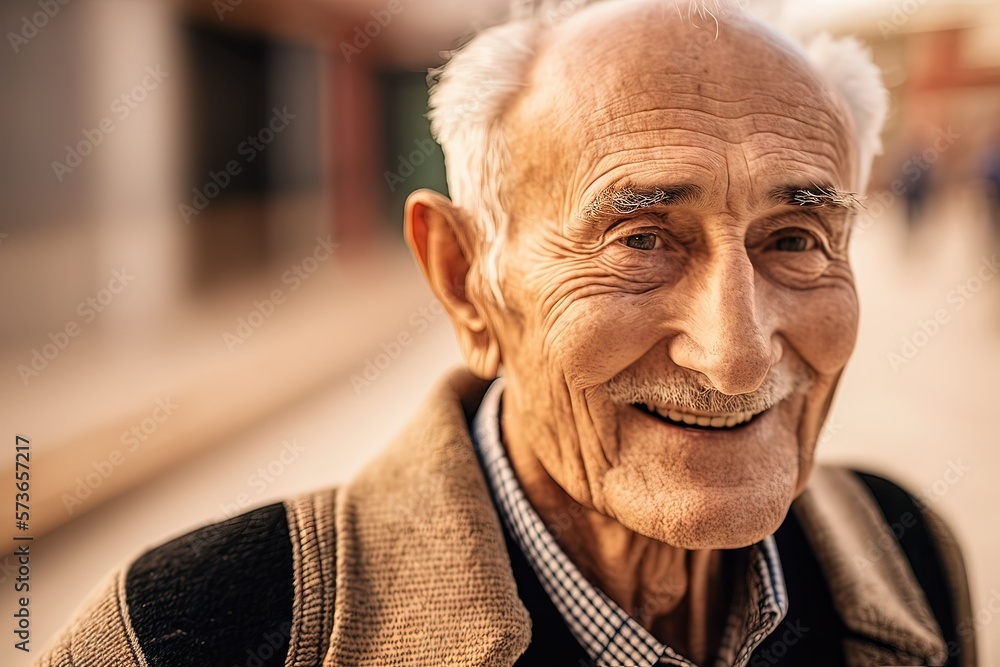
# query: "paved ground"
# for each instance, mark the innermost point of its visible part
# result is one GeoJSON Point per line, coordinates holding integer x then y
{"type": "Point", "coordinates": [929, 422]}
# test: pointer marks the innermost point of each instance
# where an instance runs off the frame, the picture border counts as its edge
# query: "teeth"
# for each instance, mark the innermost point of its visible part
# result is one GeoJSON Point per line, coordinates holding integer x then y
{"type": "Point", "coordinates": [686, 418]}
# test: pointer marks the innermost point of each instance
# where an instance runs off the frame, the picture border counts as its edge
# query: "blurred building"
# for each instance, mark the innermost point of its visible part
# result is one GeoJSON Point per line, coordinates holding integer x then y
{"type": "Point", "coordinates": [941, 62]}
{"type": "Point", "coordinates": [167, 163]}
{"type": "Point", "coordinates": [350, 74]}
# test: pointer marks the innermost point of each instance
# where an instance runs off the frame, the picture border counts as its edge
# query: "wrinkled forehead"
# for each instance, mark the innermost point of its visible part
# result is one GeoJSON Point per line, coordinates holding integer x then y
{"type": "Point", "coordinates": [626, 85]}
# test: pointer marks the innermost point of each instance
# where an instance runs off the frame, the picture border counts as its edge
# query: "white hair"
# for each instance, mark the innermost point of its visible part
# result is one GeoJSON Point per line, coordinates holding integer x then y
{"type": "Point", "coordinates": [847, 67]}
{"type": "Point", "coordinates": [470, 92]}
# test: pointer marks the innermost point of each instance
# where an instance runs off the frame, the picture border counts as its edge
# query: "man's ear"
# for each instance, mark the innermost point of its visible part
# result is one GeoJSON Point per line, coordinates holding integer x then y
{"type": "Point", "coordinates": [442, 246]}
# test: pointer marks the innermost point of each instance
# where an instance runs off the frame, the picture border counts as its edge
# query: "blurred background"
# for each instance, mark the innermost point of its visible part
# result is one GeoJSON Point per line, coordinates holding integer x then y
{"type": "Point", "coordinates": [207, 303]}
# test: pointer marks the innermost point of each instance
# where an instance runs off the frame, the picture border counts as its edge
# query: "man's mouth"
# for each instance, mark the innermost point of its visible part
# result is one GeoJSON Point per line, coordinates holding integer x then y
{"type": "Point", "coordinates": [719, 421]}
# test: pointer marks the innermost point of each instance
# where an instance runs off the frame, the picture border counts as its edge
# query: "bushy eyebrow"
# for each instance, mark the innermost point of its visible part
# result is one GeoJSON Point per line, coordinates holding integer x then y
{"type": "Point", "coordinates": [815, 196]}
{"type": "Point", "coordinates": [627, 200]}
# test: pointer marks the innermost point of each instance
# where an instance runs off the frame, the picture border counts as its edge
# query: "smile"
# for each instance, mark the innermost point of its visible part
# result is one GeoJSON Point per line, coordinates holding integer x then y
{"type": "Point", "coordinates": [676, 417]}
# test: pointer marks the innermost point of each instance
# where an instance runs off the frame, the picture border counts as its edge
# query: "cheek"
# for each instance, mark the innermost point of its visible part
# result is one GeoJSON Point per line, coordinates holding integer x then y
{"type": "Point", "coordinates": [597, 337]}
{"type": "Point", "coordinates": [576, 323]}
{"type": "Point", "coordinates": [824, 327]}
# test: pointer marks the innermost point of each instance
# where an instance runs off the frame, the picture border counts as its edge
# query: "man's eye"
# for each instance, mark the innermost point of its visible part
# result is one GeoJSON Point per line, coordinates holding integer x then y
{"type": "Point", "coordinates": [794, 244]}
{"type": "Point", "coordinates": [642, 241]}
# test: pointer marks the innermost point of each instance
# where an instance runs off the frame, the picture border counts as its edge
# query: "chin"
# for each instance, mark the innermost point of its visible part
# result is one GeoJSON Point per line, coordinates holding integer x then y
{"type": "Point", "coordinates": [704, 488]}
{"type": "Point", "coordinates": [699, 518]}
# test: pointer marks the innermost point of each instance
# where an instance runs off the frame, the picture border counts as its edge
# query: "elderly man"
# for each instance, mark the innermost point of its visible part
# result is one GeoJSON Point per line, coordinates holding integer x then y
{"type": "Point", "coordinates": [647, 232]}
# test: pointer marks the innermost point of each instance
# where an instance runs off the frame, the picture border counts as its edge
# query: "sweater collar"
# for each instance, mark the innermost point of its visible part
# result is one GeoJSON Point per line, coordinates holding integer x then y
{"type": "Point", "coordinates": [871, 582]}
{"type": "Point", "coordinates": [423, 574]}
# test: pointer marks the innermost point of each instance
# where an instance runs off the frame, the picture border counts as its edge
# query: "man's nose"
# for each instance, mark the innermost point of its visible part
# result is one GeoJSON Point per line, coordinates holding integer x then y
{"type": "Point", "coordinates": [721, 337]}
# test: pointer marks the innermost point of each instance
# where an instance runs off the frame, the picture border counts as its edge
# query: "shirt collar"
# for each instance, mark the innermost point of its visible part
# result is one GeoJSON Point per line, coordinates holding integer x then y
{"type": "Point", "coordinates": [599, 624]}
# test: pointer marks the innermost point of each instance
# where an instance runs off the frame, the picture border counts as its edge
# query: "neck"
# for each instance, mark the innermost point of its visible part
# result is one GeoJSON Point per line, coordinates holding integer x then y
{"type": "Point", "coordinates": [676, 594]}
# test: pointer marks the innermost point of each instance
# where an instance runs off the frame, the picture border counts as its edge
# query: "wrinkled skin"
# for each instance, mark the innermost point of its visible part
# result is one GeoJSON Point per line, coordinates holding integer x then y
{"type": "Point", "coordinates": [726, 290]}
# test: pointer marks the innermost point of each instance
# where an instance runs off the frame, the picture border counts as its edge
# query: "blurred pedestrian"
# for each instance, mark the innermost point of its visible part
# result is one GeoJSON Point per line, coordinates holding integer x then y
{"type": "Point", "coordinates": [918, 186]}
{"type": "Point", "coordinates": [991, 175]}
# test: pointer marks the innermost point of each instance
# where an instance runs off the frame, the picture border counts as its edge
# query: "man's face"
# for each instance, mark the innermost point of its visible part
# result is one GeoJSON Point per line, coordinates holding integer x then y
{"type": "Point", "coordinates": [662, 270]}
